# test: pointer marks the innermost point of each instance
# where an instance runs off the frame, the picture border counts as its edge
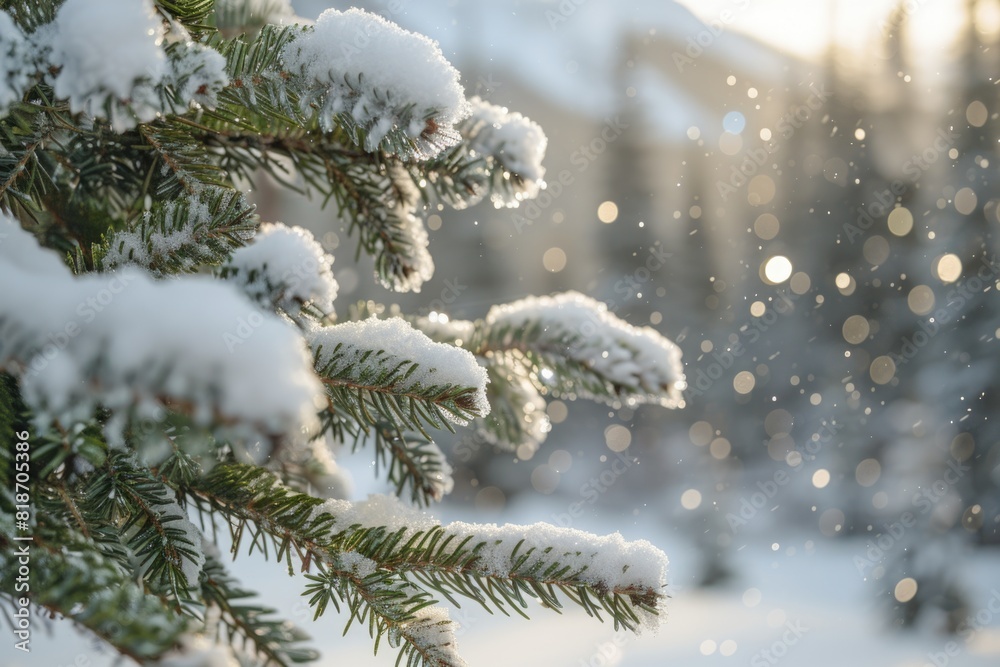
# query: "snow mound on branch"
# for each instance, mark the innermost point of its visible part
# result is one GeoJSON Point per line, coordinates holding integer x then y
{"type": "Point", "coordinates": [197, 73]}
{"type": "Point", "coordinates": [287, 267]}
{"type": "Point", "coordinates": [121, 340]}
{"type": "Point", "coordinates": [433, 629]}
{"type": "Point", "coordinates": [382, 76]}
{"type": "Point", "coordinates": [109, 51]}
{"type": "Point", "coordinates": [516, 142]}
{"type": "Point", "coordinates": [14, 63]}
{"type": "Point", "coordinates": [376, 510]}
{"type": "Point", "coordinates": [639, 360]}
{"type": "Point", "coordinates": [607, 561]}
{"type": "Point", "coordinates": [439, 364]}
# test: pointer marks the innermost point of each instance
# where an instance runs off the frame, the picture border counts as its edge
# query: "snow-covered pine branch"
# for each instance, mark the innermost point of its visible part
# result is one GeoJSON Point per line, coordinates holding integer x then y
{"type": "Point", "coordinates": [518, 420]}
{"type": "Point", "coordinates": [285, 268]}
{"type": "Point", "coordinates": [181, 236]}
{"type": "Point", "coordinates": [123, 342]}
{"type": "Point", "coordinates": [402, 374]}
{"type": "Point", "coordinates": [391, 88]}
{"type": "Point", "coordinates": [578, 349]}
{"type": "Point", "coordinates": [515, 144]}
{"type": "Point", "coordinates": [128, 132]}
{"type": "Point", "coordinates": [385, 560]}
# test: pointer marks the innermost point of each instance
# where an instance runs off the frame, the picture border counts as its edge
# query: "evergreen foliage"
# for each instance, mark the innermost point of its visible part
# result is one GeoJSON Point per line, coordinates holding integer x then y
{"type": "Point", "coordinates": [139, 459]}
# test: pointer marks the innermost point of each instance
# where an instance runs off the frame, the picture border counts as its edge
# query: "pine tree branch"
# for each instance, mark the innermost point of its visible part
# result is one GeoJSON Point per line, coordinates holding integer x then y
{"type": "Point", "coordinates": [372, 373]}
{"type": "Point", "coordinates": [273, 639]}
{"type": "Point", "coordinates": [152, 525]}
{"type": "Point", "coordinates": [496, 572]}
{"type": "Point", "coordinates": [252, 498]}
{"type": "Point", "coordinates": [70, 578]}
{"type": "Point", "coordinates": [573, 347]}
{"type": "Point", "coordinates": [181, 236]}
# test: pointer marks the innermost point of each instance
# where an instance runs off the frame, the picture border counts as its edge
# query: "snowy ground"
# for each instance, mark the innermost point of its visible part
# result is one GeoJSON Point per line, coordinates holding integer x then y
{"type": "Point", "coordinates": [802, 603]}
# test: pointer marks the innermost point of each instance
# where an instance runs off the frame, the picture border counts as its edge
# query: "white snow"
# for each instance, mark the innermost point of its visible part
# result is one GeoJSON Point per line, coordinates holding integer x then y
{"type": "Point", "coordinates": [442, 481]}
{"type": "Point", "coordinates": [14, 63]}
{"type": "Point", "coordinates": [516, 142]}
{"type": "Point", "coordinates": [580, 328]}
{"type": "Point", "coordinates": [608, 560]}
{"type": "Point", "coordinates": [374, 70]}
{"type": "Point", "coordinates": [316, 460]}
{"type": "Point", "coordinates": [357, 564]}
{"type": "Point", "coordinates": [197, 73]}
{"type": "Point", "coordinates": [596, 560]}
{"type": "Point", "coordinates": [376, 510]}
{"type": "Point", "coordinates": [109, 49]}
{"type": "Point", "coordinates": [122, 340]}
{"type": "Point", "coordinates": [135, 246]}
{"type": "Point", "coordinates": [535, 423]}
{"type": "Point", "coordinates": [413, 235]}
{"type": "Point", "coordinates": [433, 628]}
{"type": "Point", "coordinates": [287, 267]}
{"type": "Point", "coordinates": [440, 364]}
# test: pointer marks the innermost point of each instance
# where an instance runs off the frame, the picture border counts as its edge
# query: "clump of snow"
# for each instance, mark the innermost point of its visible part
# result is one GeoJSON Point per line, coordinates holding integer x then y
{"type": "Point", "coordinates": [441, 481]}
{"type": "Point", "coordinates": [374, 347]}
{"type": "Point", "coordinates": [376, 510]}
{"type": "Point", "coordinates": [523, 405]}
{"type": "Point", "coordinates": [356, 564]}
{"type": "Point", "coordinates": [199, 651]}
{"type": "Point", "coordinates": [420, 267]}
{"type": "Point", "coordinates": [433, 630]}
{"type": "Point", "coordinates": [198, 73]}
{"type": "Point", "coordinates": [640, 362]}
{"type": "Point", "coordinates": [285, 266]}
{"type": "Point", "coordinates": [606, 562]}
{"type": "Point", "coordinates": [514, 141]}
{"type": "Point", "coordinates": [183, 230]}
{"type": "Point", "coordinates": [15, 56]}
{"type": "Point", "coordinates": [381, 76]}
{"type": "Point", "coordinates": [121, 340]}
{"type": "Point", "coordinates": [109, 51]}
